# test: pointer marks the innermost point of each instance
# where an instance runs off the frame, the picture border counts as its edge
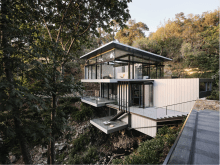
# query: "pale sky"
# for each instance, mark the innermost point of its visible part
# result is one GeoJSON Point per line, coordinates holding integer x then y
{"type": "Point", "coordinates": [155, 12]}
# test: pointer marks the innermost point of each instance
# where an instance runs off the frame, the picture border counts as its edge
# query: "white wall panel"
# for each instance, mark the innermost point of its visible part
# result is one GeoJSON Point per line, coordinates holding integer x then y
{"type": "Point", "coordinates": [175, 91]}
{"type": "Point", "coordinates": [137, 122]}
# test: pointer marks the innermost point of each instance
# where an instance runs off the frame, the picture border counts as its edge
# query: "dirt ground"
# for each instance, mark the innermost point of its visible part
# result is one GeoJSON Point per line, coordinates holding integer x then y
{"type": "Point", "coordinates": [202, 104]}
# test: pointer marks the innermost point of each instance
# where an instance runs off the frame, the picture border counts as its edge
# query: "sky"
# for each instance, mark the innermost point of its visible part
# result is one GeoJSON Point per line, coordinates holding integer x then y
{"type": "Point", "coordinates": [154, 12]}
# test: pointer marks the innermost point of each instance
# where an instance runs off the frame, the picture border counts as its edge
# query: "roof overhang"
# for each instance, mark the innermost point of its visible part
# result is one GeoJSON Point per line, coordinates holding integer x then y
{"type": "Point", "coordinates": [120, 46]}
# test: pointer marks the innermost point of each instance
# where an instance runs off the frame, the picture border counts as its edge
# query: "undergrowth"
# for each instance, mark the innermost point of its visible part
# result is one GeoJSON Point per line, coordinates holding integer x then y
{"type": "Point", "coordinates": [152, 151]}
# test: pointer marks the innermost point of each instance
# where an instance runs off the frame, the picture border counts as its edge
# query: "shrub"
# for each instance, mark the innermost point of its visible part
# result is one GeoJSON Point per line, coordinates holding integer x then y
{"type": "Point", "coordinates": [91, 156]}
{"type": "Point", "coordinates": [85, 113]}
{"type": "Point", "coordinates": [214, 95]}
{"type": "Point", "coordinates": [79, 144]}
{"type": "Point", "coordinates": [63, 100]}
{"type": "Point", "coordinates": [152, 151]}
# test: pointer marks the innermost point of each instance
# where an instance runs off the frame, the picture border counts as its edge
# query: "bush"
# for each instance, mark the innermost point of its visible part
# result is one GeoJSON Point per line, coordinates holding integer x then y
{"type": "Point", "coordinates": [152, 151]}
{"type": "Point", "coordinates": [85, 113]}
{"type": "Point", "coordinates": [214, 95]}
{"type": "Point", "coordinates": [68, 99]}
{"type": "Point", "coordinates": [79, 144]}
{"type": "Point", "coordinates": [91, 156]}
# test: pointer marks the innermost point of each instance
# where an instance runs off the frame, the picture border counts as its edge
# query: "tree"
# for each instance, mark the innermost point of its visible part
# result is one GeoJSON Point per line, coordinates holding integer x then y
{"type": "Point", "coordinates": [69, 24]}
{"type": "Point", "coordinates": [19, 112]}
{"type": "Point", "coordinates": [132, 32]}
{"type": "Point", "coordinates": [37, 40]}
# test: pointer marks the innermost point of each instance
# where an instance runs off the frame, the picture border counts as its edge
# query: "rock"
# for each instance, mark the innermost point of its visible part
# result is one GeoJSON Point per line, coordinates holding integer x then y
{"type": "Point", "coordinates": [12, 158]}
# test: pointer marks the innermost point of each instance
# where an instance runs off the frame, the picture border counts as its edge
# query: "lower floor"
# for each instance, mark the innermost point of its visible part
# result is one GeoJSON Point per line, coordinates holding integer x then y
{"type": "Point", "coordinates": [131, 120]}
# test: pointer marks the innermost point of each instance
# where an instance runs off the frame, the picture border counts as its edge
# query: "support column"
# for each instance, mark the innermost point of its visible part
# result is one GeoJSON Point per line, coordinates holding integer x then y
{"type": "Point", "coordinates": [119, 96]}
{"type": "Point", "coordinates": [129, 95]}
{"type": "Point", "coordinates": [108, 91]}
{"type": "Point", "coordinates": [126, 98]}
{"type": "Point", "coordinates": [133, 70]}
{"type": "Point", "coordinates": [129, 67]}
{"type": "Point", "coordinates": [96, 69]}
{"type": "Point", "coordinates": [143, 95]}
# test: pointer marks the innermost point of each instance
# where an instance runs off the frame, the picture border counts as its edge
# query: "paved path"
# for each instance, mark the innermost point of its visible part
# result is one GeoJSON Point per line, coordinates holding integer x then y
{"type": "Point", "coordinates": [199, 141]}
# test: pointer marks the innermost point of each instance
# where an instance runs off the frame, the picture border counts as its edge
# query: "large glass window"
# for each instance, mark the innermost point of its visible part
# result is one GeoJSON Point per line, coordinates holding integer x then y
{"type": "Point", "coordinates": [138, 71]}
{"type": "Point", "coordinates": [121, 70]}
{"type": "Point", "coordinates": [141, 95]}
{"type": "Point", "coordinates": [86, 72]}
{"type": "Point", "coordinates": [115, 64]}
{"type": "Point", "coordinates": [93, 72]}
{"type": "Point", "coordinates": [107, 71]}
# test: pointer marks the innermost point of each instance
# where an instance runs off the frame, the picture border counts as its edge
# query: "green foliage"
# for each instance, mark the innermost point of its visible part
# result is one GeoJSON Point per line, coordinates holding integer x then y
{"type": "Point", "coordinates": [60, 157]}
{"type": "Point", "coordinates": [132, 32]}
{"type": "Point", "coordinates": [78, 145]}
{"type": "Point", "coordinates": [68, 100]}
{"type": "Point", "coordinates": [214, 95]}
{"type": "Point", "coordinates": [90, 157]}
{"type": "Point", "coordinates": [37, 39]}
{"type": "Point", "coordinates": [85, 113]}
{"type": "Point", "coordinates": [152, 151]}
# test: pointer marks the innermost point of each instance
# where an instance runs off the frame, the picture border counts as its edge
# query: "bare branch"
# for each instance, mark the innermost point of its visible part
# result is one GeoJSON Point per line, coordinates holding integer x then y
{"type": "Point", "coordinates": [66, 45]}
{"type": "Point", "coordinates": [70, 46]}
{"type": "Point", "coordinates": [61, 26]}
{"type": "Point", "coordinates": [48, 30]}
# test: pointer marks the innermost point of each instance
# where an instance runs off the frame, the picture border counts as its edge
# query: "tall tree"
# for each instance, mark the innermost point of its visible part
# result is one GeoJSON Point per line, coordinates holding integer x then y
{"type": "Point", "coordinates": [19, 111]}
{"type": "Point", "coordinates": [37, 40]}
{"type": "Point", "coordinates": [132, 32]}
{"type": "Point", "coordinates": [68, 25]}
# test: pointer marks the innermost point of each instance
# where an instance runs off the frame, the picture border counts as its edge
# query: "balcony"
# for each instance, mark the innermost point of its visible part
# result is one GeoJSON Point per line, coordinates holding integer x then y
{"type": "Point", "coordinates": [96, 101]}
{"type": "Point", "coordinates": [113, 126]}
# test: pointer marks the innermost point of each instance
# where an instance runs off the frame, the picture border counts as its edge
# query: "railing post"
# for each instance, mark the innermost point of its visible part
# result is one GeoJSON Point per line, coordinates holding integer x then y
{"type": "Point", "coordinates": [166, 110]}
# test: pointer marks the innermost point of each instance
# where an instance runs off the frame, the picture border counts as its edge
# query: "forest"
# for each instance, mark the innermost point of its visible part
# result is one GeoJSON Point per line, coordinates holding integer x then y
{"type": "Point", "coordinates": [41, 42]}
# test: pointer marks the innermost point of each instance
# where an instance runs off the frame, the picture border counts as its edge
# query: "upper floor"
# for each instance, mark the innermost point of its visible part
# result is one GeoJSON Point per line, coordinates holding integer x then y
{"type": "Point", "coordinates": [119, 61]}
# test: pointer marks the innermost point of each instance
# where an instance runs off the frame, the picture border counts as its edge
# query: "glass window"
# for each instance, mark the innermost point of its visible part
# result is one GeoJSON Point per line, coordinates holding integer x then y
{"type": "Point", "coordinates": [138, 71]}
{"type": "Point", "coordinates": [202, 86]}
{"type": "Point", "coordinates": [121, 70]}
{"type": "Point", "coordinates": [107, 71]}
{"type": "Point", "coordinates": [93, 72]}
{"type": "Point", "coordinates": [86, 72]}
{"type": "Point", "coordinates": [98, 72]}
{"type": "Point", "coordinates": [119, 53]}
{"type": "Point", "coordinates": [109, 56]}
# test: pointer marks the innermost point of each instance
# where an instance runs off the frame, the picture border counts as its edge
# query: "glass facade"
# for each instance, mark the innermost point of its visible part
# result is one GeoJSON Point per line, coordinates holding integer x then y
{"type": "Point", "coordinates": [119, 64]}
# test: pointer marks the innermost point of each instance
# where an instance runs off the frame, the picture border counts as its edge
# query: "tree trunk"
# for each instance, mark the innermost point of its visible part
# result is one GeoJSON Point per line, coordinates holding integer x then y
{"type": "Point", "coordinates": [23, 143]}
{"type": "Point", "coordinates": [51, 148]}
{"type": "Point", "coordinates": [9, 75]}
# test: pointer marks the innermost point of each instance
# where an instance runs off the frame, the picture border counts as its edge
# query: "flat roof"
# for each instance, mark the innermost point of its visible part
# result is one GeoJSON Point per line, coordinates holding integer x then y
{"type": "Point", "coordinates": [198, 142]}
{"type": "Point", "coordinates": [133, 50]}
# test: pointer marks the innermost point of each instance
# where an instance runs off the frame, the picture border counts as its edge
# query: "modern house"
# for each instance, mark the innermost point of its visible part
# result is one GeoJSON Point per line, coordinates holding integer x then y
{"type": "Point", "coordinates": [133, 87]}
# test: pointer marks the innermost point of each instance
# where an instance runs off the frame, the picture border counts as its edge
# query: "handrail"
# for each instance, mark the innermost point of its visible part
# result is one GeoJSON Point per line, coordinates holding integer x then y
{"type": "Point", "coordinates": [176, 141]}
{"type": "Point", "coordinates": [177, 103]}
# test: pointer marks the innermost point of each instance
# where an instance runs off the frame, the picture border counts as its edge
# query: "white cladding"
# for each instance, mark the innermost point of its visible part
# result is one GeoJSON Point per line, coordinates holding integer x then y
{"type": "Point", "coordinates": [139, 122]}
{"type": "Point", "coordinates": [173, 94]}
{"type": "Point", "coordinates": [181, 92]}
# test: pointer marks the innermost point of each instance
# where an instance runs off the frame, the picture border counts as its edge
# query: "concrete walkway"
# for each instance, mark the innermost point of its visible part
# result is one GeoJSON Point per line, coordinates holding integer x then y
{"type": "Point", "coordinates": [199, 141]}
